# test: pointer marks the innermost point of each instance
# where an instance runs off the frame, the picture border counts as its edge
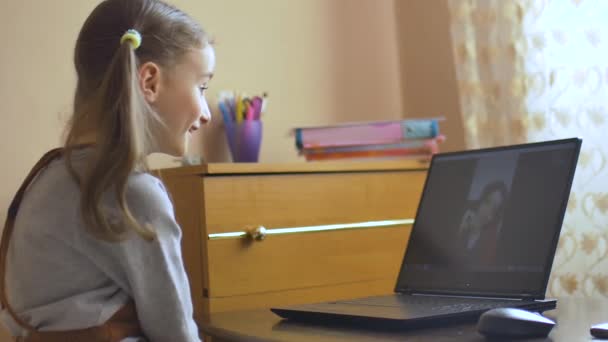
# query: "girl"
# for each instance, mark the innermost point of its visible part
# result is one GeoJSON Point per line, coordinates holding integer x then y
{"type": "Point", "coordinates": [91, 248]}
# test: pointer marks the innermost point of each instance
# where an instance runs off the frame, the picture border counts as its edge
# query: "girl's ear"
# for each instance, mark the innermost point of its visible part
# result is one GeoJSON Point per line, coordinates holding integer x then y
{"type": "Point", "coordinates": [149, 81]}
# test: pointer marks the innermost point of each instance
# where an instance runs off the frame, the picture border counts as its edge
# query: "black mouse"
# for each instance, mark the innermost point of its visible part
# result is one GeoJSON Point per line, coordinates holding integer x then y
{"type": "Point", "coordinates": [600, 331]}
{"type": "Point", "coordinates": [513, 323]}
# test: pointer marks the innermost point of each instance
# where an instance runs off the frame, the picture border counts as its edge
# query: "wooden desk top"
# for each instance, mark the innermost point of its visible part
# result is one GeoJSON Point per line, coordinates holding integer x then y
{"type": "Point", "coordinates": [299, 167]}
{"type": "Point", "coordinates": [574, 316]}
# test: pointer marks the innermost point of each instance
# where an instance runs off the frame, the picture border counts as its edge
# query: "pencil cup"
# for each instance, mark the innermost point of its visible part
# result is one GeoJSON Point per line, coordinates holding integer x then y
{"type": "Point", "coordinates": [244, 140]}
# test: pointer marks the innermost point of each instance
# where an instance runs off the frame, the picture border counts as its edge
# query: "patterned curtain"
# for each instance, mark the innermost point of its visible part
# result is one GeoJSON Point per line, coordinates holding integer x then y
{"type": "Point", "coordinates": [489, 52]}
{"type": "Point", "coordinates": [538, 70]}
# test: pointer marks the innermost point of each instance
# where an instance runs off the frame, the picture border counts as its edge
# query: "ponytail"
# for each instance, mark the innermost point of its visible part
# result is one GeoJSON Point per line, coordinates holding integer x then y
{"type": "Point", "coordinates": [119, 148]}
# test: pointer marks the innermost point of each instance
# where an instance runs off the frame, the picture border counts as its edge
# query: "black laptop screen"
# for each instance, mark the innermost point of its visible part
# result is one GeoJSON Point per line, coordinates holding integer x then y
{"type": "Point", "coordinates": [489, 220]}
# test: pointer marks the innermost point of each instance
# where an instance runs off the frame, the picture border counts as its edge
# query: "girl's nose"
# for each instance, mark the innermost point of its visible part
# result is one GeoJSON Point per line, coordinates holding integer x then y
{"type": "Point", "coordinates": [205, 115]}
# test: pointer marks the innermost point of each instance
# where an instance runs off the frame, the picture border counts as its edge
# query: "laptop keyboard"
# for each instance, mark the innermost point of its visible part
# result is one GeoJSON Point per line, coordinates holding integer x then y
{"type": "Point", "coordinates": [434, 303]}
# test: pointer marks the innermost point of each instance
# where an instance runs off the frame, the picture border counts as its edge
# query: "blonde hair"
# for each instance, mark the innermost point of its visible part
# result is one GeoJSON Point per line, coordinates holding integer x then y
{"type": "Point", "coordinates": [109, 102]}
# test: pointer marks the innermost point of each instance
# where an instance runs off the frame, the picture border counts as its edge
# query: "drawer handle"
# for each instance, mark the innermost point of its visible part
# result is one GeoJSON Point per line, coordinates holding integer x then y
{"type": "Point", "coordinates": [259, 233]}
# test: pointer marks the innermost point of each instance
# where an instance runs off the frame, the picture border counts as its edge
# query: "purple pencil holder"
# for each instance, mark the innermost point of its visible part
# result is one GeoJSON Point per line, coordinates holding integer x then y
{"type": "Point", "coordinates": [244, 140]}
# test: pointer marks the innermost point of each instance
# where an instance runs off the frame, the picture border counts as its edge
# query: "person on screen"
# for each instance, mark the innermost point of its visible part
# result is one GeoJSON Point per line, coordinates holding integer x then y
{"type": "Point", "coordinates": [481, 223]}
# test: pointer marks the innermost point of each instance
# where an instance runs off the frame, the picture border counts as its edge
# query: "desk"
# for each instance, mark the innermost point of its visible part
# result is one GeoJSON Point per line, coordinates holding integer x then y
{"type": "Point", "coordinates": [574, 316]}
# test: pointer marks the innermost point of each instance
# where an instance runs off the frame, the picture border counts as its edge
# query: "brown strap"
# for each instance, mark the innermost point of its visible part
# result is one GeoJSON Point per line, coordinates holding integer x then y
{"type": "Point", "coordinates": [123, 323]}
{"type": "Point", "coordinates": [117, 328]}
{"type": "Point", "coordinates": [8, 231]}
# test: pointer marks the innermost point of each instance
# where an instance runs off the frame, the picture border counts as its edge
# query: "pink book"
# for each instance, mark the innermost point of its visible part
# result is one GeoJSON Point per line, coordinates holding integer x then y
{"type": "Point", "coordinates": [379, 132]}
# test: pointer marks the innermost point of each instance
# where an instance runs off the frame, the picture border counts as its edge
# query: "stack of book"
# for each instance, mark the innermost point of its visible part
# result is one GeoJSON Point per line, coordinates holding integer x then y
{"type": "Point", "coordinates": [409, 138]}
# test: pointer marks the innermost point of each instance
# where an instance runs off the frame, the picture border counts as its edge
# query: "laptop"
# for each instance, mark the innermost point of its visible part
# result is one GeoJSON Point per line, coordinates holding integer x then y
{"type": "Point", "coordinates": [484, 237]}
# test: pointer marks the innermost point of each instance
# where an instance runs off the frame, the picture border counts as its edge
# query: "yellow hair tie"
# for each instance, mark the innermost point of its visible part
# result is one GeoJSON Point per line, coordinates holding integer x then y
{"type": "Point", "coordinates": [133, 37]}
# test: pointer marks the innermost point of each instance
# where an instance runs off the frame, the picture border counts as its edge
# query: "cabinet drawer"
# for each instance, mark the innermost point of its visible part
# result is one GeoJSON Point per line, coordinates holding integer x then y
{"type": "Point", "coordinates": [293, 200]}
{"type": "Point", "coordinates": [312, 260]}
{"type": "Point", "coordinates": [239, 267]}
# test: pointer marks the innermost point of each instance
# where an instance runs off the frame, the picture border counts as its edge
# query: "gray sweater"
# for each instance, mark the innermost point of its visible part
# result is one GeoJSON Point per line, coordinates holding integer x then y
{"type": "Point", "coordinates": [60, 277]}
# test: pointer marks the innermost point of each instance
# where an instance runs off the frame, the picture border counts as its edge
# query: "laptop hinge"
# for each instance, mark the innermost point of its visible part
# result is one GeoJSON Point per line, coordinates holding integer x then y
{"type": "Point", "coordinates": [525, 296]}
{"type": "Point", "coordinates": [522, 297]}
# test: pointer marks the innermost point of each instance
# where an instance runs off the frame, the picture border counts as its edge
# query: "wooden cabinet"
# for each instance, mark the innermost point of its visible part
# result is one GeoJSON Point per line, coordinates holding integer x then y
{"type": "Point", "coordinates": [330, 230]}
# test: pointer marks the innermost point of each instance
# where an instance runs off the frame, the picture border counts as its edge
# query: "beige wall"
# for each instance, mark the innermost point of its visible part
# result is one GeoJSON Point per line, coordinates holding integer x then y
{"type": "Point", "coordinates": [321, 62]}
{"type": "Point", "coordinates": [428, 77]}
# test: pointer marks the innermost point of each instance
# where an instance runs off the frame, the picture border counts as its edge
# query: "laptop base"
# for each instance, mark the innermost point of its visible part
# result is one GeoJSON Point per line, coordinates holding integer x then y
{"type": "Point", "coordinates": [351, 314]}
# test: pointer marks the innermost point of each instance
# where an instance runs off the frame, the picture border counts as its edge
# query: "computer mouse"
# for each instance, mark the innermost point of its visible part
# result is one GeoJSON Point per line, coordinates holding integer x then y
{"type": "Point", "coordinates": [599, 331]}
{"type": "Point", "coordinates": [513, 323]}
